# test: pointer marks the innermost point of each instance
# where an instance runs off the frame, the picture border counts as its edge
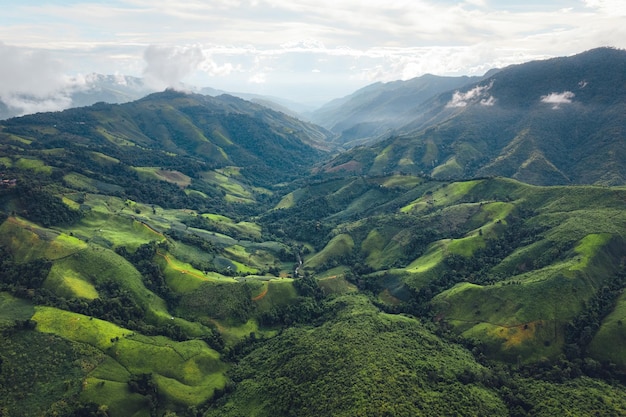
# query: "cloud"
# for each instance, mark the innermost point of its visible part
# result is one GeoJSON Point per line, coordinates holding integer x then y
{"type": "Point", "coordinates": [259, 78]}
{"type": "Point", "coordinates": [610, 7]}
{"type": "Point", "coordinates": [556, 99]}
{"type": "Point", "coordinates": [219, 43]}
{"type": "Point", "coordinates": [33, 81]}
{"type": "Point", "coordinates": [477, 94]}
{"type": "Point", "coordinates": [32, 72]}
{"type": "Point", "coordinates": [166, 66]}
{"type": "Point", "coordinates": [29, 104]}
{"type": "Point", "coordinates": [489, 101]}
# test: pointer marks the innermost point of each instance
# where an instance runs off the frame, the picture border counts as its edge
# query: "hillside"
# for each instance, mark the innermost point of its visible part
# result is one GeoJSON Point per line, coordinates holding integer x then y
{"type": "Point", "coordinates": [552, 122]}
{"type": "Point", "coordinates": [502, 263]}
{"type": "Point", "coordinates": [206, 151]}
{"type": "Point", "coordinates": [375, 110]}
{"type": "Point", "coordinates": [184, 255]}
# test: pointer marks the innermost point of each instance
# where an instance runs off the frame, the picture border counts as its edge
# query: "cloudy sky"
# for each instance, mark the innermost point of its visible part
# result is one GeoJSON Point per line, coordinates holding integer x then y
{"type": "Point", "coordinates": [304, 50]}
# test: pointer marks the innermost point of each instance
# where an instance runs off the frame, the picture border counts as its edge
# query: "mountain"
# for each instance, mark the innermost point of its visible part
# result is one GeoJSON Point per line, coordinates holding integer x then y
{"type": "Point", "coordinates": [379, 108]}
{"type": "Point", "coordinates": [185, 255]}
{"type": "Point", "coordinates": [558, 121]}
{"type": "Point", "coordinates": [116, 89]}
{"type": "Point", "coordinates": [291, 108]}
{"type": "Point", "coordinates": [198, 145]}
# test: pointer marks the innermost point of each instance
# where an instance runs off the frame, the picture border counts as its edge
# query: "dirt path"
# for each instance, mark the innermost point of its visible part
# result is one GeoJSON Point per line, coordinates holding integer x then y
{"type": "Point", "coordinates": [182, 271]}
{"type": "Point", "coordinates": [262, 294]}
{"type": "Point", "coordinates": [146, 225]}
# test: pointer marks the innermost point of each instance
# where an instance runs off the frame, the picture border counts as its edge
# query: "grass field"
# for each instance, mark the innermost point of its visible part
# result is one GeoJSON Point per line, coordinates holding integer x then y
{"type": "Point", "coordinates": [12, 309]}
{"type": "Point", "coordinates": [340, 245]}
{"type": "Point", "coordinates": [183, 278]}
{"type": "Point", "coordinates": [280, 291]}
{"type": "Point", "coordinates": [442, 196]}
{"type": "Point", "coordinates": [402, 181]}
{"type": "Point", "coordinates": [608, 343]}
{"type": "Point", "coordinates": [36, 165]}
{"type": "Point", "coordinates": [186, 373]}
{"type": "Point", "coordinates": [83, 183]}
{"type": "Point", "coordinates": [429, 260]}
{"type": "Point", "coordinates": [28, 241]}
{"type": "Point", "coordinates": [449, 169]}
{"type": "Point", "coordinates": [175, 177]}
{"type": "Point", "coordinates": [68, 283]}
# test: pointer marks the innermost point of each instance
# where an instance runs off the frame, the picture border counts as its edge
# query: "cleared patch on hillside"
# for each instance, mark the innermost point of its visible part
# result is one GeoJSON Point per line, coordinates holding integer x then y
{"type": "Point", "coordinates": [174, 177]}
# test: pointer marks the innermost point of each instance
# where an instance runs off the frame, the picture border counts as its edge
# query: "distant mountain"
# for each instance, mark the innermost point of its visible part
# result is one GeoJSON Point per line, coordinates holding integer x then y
{"type": "Point", "coordinates": [118, 89]}
{"type": "Point", "coordinates": [86, 91]}
{"type": "Point", "coordinates": [288, 107]}
{"type": "Point", "coordinates": [380, 108]}
{"type": "Point", "coordinates": [558, 121]}
{"type": "Point", "coordinates": [113, 89]}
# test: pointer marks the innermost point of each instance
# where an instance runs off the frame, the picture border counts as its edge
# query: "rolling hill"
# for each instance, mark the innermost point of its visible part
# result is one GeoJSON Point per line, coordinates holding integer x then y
{"type": "Point", "coordinates": [186, 255]}
{"type": "Point", "coordinates": [558, 121]}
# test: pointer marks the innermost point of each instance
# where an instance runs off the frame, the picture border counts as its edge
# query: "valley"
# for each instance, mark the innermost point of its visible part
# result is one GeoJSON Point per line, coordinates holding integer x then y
{"type": "Point", "coordinates": [187, 255]}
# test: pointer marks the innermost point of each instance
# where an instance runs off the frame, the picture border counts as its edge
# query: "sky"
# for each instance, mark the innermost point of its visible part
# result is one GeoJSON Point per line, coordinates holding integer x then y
{"type": "Point", "coordinates": [302, 50]}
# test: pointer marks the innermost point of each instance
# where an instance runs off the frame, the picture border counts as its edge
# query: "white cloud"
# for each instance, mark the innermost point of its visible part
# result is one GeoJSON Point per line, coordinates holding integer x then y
{"type": "Point", "coordinates": [30, 72]}
{"type": "Point", "coordinates": [166, 66]}
{"type": "Point", "coordinates": [33, 81]}
{"type": "Point", "coordinates": [29, 104]}
{"type": "Point", "coordinates": [258, 78]}
{"type": "Point", "coordinates": [610, 7]}
{"type": "Point", "coordinates": [489, 101]}
{"type": "Point", "coordinates": [557, 99]}
{"type": "Point", "coordinates": [353, 42]}
{"type": "Point", "coordinates": [477, 94]}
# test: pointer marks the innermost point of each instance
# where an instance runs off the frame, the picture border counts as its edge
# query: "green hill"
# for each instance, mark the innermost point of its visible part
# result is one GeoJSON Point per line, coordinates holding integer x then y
{"type": "Point", "coordinates": [183, 255]}
{"type": "Point", "coordinates": [171, 149]}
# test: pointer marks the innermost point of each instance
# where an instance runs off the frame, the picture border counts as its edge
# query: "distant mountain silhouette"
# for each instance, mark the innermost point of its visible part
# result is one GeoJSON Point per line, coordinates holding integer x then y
{"type": "Point", "coordinates": [380, 108]}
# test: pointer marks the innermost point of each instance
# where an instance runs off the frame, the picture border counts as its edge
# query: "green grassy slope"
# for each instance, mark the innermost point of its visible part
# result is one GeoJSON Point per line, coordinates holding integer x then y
{"type": "Point", "coordinates": [506, 264]}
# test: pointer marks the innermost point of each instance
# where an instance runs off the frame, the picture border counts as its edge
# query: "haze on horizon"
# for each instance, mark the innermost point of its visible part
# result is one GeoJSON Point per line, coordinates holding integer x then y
{"type": "Point", "coordinates": [304, 51]}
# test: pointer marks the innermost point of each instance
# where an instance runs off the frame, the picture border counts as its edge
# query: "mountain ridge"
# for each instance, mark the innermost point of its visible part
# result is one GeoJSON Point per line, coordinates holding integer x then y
{"type": "Point", "coordinates": [374, 110]}
{"type": "Point", "coordinates": [563, 116]}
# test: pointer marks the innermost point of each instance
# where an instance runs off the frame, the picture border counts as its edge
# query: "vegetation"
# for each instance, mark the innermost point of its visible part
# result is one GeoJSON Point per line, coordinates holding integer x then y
{"type": "Point", "coordinates": [173, 256]}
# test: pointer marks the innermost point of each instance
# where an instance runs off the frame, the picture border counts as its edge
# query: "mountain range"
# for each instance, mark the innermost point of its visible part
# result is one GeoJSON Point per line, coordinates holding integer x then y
{"type": "Point", "coordinates": [558, 121]}
{"type": "Point", "coordinates": [116, 89]}
{"type": "Point", "coordinates": [374, 111]}
{"type": "Point", "coordinates": [190, 255]}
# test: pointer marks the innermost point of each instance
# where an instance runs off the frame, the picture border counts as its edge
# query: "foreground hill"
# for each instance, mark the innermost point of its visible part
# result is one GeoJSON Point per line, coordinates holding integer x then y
{"type": "Point", "coordinates": [558, 121]}
{"type": "Point", "coordinates": [522, 270]}
{"type": "Point", "coordinates": [471, 297]}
